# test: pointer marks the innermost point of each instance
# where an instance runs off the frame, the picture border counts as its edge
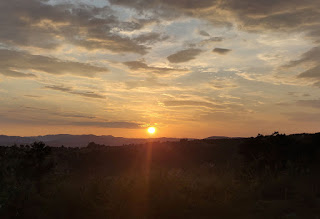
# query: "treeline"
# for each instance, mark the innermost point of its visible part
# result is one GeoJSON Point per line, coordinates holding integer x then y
{"type": "Point", "coordinates": [222, 178]}
{"type": "Point", "coordinates": [278, 152]}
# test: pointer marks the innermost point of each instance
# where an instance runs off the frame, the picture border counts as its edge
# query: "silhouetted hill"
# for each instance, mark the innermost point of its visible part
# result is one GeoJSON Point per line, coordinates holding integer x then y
{"type": "Point", "coordinates": [274, 176]}
{"type": "Point", "coordinates": [217, 137]}
{"type": "Point", "coordinates": [221, 137]}
{"type": "Point", "coordinates": [78, 140]}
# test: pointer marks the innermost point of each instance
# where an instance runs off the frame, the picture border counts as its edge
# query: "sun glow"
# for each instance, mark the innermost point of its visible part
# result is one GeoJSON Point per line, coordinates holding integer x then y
{"type": "Point", "coordinates": [151, 130]}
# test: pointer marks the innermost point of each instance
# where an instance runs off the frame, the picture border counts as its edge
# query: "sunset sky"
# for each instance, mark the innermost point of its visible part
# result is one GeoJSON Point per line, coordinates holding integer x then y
{"type": "Point", "coordinates": [190, 68]}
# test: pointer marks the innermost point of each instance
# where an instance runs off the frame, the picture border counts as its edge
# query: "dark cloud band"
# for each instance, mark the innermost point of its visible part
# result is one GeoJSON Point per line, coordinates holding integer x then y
{"type": "Point", "coordinates": [72, 91]}
{"type": "Point", "coordinates": [13, 62]}
{"type": "Point", "coordinates": [184, 55]}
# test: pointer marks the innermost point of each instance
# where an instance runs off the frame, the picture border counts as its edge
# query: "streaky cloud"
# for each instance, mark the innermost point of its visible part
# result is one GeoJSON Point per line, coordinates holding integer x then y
{"type": "Point", "coordinates": [12, 62]}
{"type": "Point", "coordinates": [310, 103]}
{"type": "Point", "coordinates": [150, 38]}
{"type": "Point", "coordinates": [35, 23]}
{"type": "Point", "coordinates": [141, 66]}
{"type": "Point", "coordinates": [127, 125]}
{"type": "Point", "coordinates": [194, 103]}
{"type": "Point", "coordinates": [72, 91]}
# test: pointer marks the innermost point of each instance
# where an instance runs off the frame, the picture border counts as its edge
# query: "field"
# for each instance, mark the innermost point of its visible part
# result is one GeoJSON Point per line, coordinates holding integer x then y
{"type": "Point", "coordinates": [275, 176]}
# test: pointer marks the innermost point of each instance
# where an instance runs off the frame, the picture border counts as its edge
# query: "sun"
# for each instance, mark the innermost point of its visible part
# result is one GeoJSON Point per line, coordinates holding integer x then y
{"type": "Point", "coordinates": [151, 130]}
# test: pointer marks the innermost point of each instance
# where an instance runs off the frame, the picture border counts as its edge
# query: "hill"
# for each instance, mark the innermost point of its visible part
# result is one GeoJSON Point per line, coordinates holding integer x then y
{"type": "Point", "coordinates": [274, 176]}
{"type": "Point", "coordinates": [78, 140]}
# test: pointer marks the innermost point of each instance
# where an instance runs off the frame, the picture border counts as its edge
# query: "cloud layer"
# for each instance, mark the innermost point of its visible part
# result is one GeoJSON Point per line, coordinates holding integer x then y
{"type": "Point", "coordinates": [72, 91]}
{"type": "Point", "coordinates": [142, 67]}
{"type": "Point", "coordinates": [15, 63]}
{"type": "Point", "coordinates": [39, 24]}
{"type": "Point", "coordinates": [224, 64]}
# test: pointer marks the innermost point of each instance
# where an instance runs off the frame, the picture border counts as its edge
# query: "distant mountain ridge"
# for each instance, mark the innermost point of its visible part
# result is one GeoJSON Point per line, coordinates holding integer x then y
{"type": "Point", "coordinates": [217, 137]}
{"type": "Point", "coordinates": [77, 140]}
{"type": "Point", "coordinates": [221, 137]}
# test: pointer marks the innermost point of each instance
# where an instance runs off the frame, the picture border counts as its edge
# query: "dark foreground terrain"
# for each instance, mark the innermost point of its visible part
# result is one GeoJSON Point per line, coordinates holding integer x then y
{"type": "Point", "coordinates": [275, 176]}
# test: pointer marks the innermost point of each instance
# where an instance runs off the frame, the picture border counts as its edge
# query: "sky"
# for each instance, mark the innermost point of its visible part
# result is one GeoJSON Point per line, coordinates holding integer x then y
{"type": "Point", "coordinates": [189, 68]}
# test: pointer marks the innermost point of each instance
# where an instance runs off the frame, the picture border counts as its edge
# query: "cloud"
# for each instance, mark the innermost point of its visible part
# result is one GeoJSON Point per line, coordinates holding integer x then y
{"type": "Point", "coordinates": [177, 103]}
{"type": "Point", "coordinates": [111, 42]}
{"type": "Point", "coordinates": [317, 84]}
{"type": "Point", "coordinates": [275, 15]}
{"type": "Point", "coordinates": [221, 51]}
{"type": "Point", "coordinates": [55, 112]}
{"type": "Point", "coordinates": [248, 15]}
{"type": "Point", "coordinates": [12, 62]}
{"type": "Point", "coordinates": [127, 125]}
{"type": "Point", "coordinates": [309, 103]}
{"type": "Point", "coordinates": [32, 96]}
{"type": "Point", "coordinates": [48, 116]}
{"type": "Point", "coordinates": [150, 38]}
{"type": "Point", "coordinates": [72, 115]}
{"type": "Point", "coordinates": [59, 88]}
{"type": "Point", "coordinates": [221, 116]}
{"type": "Point", "coordinates": [209, 41]}
{"type": "Point", "coordinates": [203, 33]}
{"type": "Point", "coordinates": [213, 39]}
{"type": "Point", "coordinates": [16, 23]}
{"type": "Point", "coordinates": [222, 84]}
{"type": "Point", "coordinates": [310, 58]}
{"type": "Point", "coordinates": [261, 15]}
{"type": "Point", "coordinates": [184, 55]}
{"type": "Point", "coordinates": [53, 24]}
{"type": "Point", "coordinates": [72, 91]}
{"type": "Point", "coordinates": [149, 83]}
{"type": "Point", "coordinates": [16, 74]}
{"type": "Point", "coordinates": [184, 4]}
{"type": "Point", "coordinates": [311, 73]}
{"type": "Point", "coordinates": [292, 93]}
{"type": "Point", "coordinates": [54, 121]}
{"type": "Point", "coordinates": [143, 67]}
{"type": "Point", "coordinates": [39, 24]}
{"type": "Point", "coordinates": [304, 117]}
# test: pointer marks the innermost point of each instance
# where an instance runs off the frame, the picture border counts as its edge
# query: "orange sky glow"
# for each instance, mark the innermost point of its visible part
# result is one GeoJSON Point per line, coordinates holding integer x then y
{"type": "Point", "coordinates": [114, 67]}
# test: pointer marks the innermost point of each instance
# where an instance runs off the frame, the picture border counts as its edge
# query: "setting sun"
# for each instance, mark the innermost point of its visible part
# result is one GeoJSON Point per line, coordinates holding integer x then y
{"type": "Point", "coordinates": [151, 130]}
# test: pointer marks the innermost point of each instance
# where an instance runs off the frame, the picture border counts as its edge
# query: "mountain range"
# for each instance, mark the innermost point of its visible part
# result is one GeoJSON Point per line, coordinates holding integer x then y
{"type": "Point", "coordinates": [77, 140]}
{"type": "Point", "coordinates": [83, 140]}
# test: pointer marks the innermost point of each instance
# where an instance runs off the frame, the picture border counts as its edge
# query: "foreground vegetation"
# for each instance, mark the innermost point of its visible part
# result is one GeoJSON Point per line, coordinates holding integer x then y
{"type": "Point", "coordinates": [275, 176]}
